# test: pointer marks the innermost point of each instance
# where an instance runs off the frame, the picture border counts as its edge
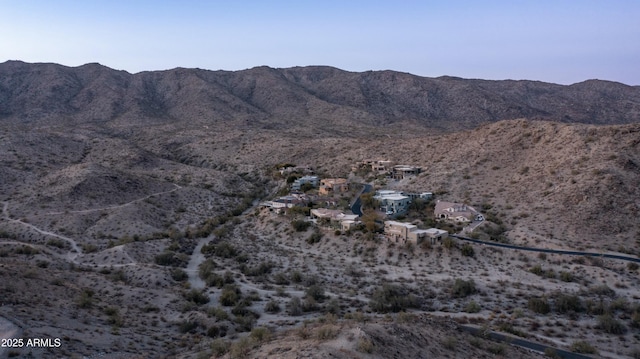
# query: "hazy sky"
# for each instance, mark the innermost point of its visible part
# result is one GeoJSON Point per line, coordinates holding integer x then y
{"type": "Point", "coordinates": [548, 40]}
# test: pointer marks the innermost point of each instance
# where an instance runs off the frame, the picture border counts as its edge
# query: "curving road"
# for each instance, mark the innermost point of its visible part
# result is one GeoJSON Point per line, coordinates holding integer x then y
{"type": "Point", "coordinates": [540, 348]}
{"type": "Point", "coordinates": [356, 207]}
{"type": "Point", "coordinates": [545, 250]}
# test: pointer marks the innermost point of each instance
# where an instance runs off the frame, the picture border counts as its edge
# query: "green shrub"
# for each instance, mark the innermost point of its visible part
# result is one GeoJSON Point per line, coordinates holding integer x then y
{"type": "Point", "coordinates": [539, 305]}
{"type": "Point", "coordinates": [568, 303]}
{"type": "Point", "coordinates": [610, 324]}
{"type": "Point", "coordinates": [463, 288]}
{"type": "Point", "coordinates": [196, 296]}
{"type": "Point", "coordinates": [315, 237]}
{"type": "Point", "coordinates": [472, 307]}
{"type": "Point", "coordinates": [364, 346]}
{"type": "Point", "coordinates": [392, 298]}
{"type": "Point", "coordinates": [187, 326]}
{"type": "Point", "coordinates": [178, 275]}
{"type": "Point", "coordinates": [300, 225]}
{"type": "Point", "coordinates": [260, 334]}
{"type": "Point", "coordinates": [467, 250]}
{"type": "Point", "coordinates": [220, 347]}
{"type": "Point", "coordinates": [316, 292]}
{"type": "Point", "coordinates": [272, 307]}
{"type": "Point", "coordinates": [229, 296]}
{"type": "Point", "coordinates": [583, 347]}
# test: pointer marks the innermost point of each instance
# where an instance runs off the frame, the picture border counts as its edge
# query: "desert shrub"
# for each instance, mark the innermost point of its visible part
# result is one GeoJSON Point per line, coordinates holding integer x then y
{"type": "Point", "coordinates": [392, 298]}
{"type": "Point", "coordinates": [568, 303]}
{"type": "Point", "coordinates": [260, 334]}
{"type": "Point", "coordinates": [219, 313]}
{"type": "Point", "coordinates": [316, 292]}
{"type": "Point", "coordinates": [603, 290]}
{"type": "Point", "coordinates": [280, 278]}
{"type": "Point", "coordinates": [566, 276]}
{"type": "Point", "coordinates": [595, 308]}
{"type": "Point", "coordinates": [241, 348]}
{"type": "Point", "coordinates": [583, 347]}
{"type": "Point", "coordinates": [219, 347]}
{"type": "Point", "coordinates": [635, 318]}
{"type": "Point", "coordinates": [467, 250]}
{"type": "Point", "coordinates": [272, 307]}
{"type": "Point", "coordinates": [229, 296]}
{"type": "Point", "coordinates": [472, 307]}
{"type": "Point", "coordinates": [539, 305]}
{"type": "Point", "coordinates": [196, 296]}
{"type": "Point", "coordinates": [551, 353]}
{"type": "Point", "coordinates": [448, 242]}
{"type": "Point", "coordinates": [215, 331]}
{"type": "Point", "coordinates": [294, 307]}
{"type": "Point", "coordinates": [296, 277]}
{"type": "Point", "coordinates": [178, 274]}
{"type": "Point", "coordinates": [261, 269]}
{"type": "Point", "coordinates": [85, 299]}
{"type": "Point", "coordinates": [364, 346]}
{"type": "Point", "coordinates": [326, 332]}
{"type": "Point", "coordinates": [300, 225]}
{"type": "Point", "coordinates": [187, 326]}
{"type": "Point", "coordinates": [26, 250]}
{"type": "Point", "coordinates": [632, 266]}
{"type": "Point", "coordinates": [497, 349]}
{"type": "Point", "coordinates": [620, 304]}
{"type": "Point", "coordinates": [169, 258]}
{"type": "Point", "coordinates": [610, 324]}
{"type": "Point", "coordinates": [222, 249]}
{"type": "Point", "coordinates": [463, 288]}
{"type": "Point", "coordinates": [244, 323]}
{"type": "Point", "coordinates": [450, 343]}
{"type": "Point", "coordinates": [332, 307]}
{"type": "Point", "coordinates": [315, 237]}
{"type": "Point", "coordinates": [537, 270]}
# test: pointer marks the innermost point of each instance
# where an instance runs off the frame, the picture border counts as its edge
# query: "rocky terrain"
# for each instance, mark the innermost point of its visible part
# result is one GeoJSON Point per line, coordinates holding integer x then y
{"type": "Point", "coordinates": [130, 225]}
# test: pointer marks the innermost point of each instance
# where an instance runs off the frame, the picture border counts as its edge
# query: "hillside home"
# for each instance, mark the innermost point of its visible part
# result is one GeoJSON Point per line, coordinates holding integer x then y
{"type": "Point", "coordinates": [400, 232]}
{"type": "Point", "coordinates": [400, 172]}
{"type": "Point", "coordinates": [392, 202]}
{"type": "Point", "coordinates": [333, 185]}
{"type": "Point", "coordinates": [456, 212]}
{"type": "Point", "coordinates": [287, 201]}
{"type": "Point", "coordinates": [335, 218]}
{"type": "Point", "coordinates": [313, 180]}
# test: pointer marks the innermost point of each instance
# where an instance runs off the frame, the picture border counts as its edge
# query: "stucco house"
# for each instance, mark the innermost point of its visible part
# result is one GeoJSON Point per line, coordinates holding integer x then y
{"type": "Point", "coordinates": [335, 218]}
{"type": "Point", "coordinates": [401, 232]}
{"type": "Point", "coordinates": [297, 184]}
{"type": "Point", "coordinates": [333, 185]}
{"type": "Point", "coordinates": [392, 202]}
{"type": "Point", "coordinates": [456, 212]}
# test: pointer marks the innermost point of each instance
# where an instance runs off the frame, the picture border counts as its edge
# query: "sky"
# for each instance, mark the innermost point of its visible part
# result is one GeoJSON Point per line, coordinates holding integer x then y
{"type": "Point", "coordinates": [559, 41]}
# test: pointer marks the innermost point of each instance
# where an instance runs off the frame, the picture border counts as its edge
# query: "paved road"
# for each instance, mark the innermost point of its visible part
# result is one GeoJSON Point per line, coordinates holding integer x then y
{"type": "Point", "coordinates": [356, 207]}
{"type": "Point", "coordinates": [545, 250]}
{"type": "Point", "coordinates": [522, 342]}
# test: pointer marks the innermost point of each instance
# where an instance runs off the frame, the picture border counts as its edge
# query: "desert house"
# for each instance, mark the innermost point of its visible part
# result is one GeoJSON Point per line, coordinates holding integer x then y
{"type": "Point", "coordinates": [392, 202]}
{"type": "Point", "coordinates": [400, 172]}
{"type": "Point", "coordinates": [456, 212]}
{"type": "Point", "coordinates": [289, 201]}
{"type": "Point", "coordinates": [335, 218]}
{"type": "Point", "coordinates": [297, 184]}
{"type": "Point", "coordinates": [400, 232]}
{"type": "Point", "coordinates": [333, 185]}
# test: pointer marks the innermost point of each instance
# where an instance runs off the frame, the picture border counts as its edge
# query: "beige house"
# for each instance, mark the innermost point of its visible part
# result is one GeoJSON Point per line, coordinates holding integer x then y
{"type": "Point", "coordinates": [456, 212]}
{"type": "Point", "coordinates": [333, 185]}
{"type": "Point", "coordinates": [403, 171]}
{"type": "Point", "coordinates": [400, 232]}
{"type": "Point", "coordinates": [335, 218]}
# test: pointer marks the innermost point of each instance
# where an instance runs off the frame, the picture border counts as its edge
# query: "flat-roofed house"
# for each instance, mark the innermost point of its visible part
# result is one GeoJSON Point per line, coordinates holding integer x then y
{"type": "Point", "coordinates": [392, 202]}
{"type": "Point", "coordinates": [401, 232]}
{"type": "Point", "coordinates": [333, 185]}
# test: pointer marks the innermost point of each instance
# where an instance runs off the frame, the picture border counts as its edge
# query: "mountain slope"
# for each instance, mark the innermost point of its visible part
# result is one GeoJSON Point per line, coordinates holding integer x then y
{"type": "Point", "coordinates": [263, 97]}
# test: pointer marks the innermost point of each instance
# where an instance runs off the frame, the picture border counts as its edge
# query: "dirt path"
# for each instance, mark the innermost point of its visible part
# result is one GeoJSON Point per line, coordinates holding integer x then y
{"type": "Point", "coordinates": [177, 187]}
{"type": "Point", "coordinates": [194, 262]}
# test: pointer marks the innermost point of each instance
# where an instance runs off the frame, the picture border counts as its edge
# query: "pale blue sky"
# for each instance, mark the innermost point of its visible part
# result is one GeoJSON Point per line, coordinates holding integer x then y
{"type": "Point", "coordinates": [554, 41]}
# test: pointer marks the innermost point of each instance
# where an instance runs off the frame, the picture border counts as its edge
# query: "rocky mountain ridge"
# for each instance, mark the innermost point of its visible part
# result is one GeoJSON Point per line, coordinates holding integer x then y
{"type": "Point", "coordinates": [317, 96]}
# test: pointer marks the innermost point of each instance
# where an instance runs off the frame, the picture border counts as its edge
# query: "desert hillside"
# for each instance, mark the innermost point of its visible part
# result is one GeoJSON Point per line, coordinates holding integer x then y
{"type": "Point", "coordinates": [133, 222]}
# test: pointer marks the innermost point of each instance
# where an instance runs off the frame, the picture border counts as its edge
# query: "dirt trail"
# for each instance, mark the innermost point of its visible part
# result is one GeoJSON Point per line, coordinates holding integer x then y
{"type": "Point", "coordinates": [177, 187]}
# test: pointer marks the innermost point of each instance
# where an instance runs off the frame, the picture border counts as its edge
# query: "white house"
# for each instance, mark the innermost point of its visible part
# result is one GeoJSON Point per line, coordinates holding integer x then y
{"type": "Point", "coordinates": [392, 202]}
